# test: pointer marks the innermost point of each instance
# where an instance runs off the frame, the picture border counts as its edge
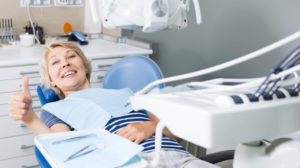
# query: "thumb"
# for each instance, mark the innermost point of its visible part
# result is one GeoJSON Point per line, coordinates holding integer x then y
{"type": "Point", "coordinates": [25, 86]}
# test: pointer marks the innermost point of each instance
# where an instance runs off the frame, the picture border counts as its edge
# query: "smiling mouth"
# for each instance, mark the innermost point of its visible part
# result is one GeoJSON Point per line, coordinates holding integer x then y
{"type": "Point", "coordinates": [69, 74]}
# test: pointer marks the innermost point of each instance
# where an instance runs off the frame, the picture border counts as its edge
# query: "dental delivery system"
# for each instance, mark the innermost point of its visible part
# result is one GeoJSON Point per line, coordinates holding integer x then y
{"type": "Point", "coordinates": [214, 114]}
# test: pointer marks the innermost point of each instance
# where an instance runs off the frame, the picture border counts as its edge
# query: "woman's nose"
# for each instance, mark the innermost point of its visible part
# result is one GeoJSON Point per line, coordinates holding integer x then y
{"type": "Point", "coordinates": [65, 64]}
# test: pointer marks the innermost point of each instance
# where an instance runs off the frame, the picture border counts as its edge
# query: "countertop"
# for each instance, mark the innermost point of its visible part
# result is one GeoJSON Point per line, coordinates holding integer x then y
{"type": "Point", "coordinates": [16, 55]}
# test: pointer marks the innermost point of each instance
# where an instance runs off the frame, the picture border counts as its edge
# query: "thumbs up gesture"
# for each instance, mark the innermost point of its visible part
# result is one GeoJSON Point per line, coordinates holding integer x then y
{"type": "Point", "coordinates": [25, 87]}
{"type": "Point", "coordinates": [20, 105]}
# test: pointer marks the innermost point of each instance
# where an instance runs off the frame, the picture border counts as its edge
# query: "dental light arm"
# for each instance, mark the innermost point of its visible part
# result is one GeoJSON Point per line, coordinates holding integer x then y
{"type": "Point", "coordinates": [147, 15]}
{"type": "Point", "coordinates": [198, 11]}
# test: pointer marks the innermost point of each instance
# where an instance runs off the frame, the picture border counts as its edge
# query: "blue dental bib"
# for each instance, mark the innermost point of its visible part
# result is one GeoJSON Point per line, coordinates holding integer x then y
{"type": "Point", "coordinates": [91, 108]}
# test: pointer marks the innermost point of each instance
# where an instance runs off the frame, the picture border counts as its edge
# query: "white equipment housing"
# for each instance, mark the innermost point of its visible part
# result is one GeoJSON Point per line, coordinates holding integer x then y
{"type": "Point", "coordinates": [212, 119]}
{"type": "Point", "coordinates": [215, 120]}
{"type": "Point", "coordinates": [147, 15]}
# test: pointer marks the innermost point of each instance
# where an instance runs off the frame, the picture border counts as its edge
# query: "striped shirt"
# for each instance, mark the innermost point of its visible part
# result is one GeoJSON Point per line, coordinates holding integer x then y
{"type": "Point", "coordinates": [116, 123]}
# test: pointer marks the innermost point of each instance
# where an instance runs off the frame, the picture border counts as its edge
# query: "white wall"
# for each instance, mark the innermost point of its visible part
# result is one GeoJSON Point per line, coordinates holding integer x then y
{"type": "Point", "coordinates": [230, 28]}
{"type": "Point", "coordinates": [50, 18]}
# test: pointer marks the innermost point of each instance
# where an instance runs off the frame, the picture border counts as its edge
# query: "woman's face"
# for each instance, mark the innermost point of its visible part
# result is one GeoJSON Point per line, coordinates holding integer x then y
{"type": "Point", "coordinates": [66, 69]}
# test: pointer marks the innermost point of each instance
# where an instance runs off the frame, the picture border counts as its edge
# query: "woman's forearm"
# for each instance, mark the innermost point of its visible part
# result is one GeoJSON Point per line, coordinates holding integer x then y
{"type": "Point", "coordinates": [38, 127]}
{"type": "Point", "coordinates": [166, 131]}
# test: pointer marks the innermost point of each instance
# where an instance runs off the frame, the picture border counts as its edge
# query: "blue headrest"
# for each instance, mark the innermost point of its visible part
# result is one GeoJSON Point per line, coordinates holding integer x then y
{"type": "Point", "coordinates": [133, 72]}
{"type": "Point", "coordinates": [46, 94]}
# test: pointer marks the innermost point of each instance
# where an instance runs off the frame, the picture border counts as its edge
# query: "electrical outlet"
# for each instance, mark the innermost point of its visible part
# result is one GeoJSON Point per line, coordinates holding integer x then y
{"type": "Point", "coordinates": [35, 3]}
{"type": "Point", "coordinates": [68, 3]}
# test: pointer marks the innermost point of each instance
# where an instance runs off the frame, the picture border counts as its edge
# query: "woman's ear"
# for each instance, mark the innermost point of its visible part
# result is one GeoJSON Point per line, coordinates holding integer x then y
{"type": "Point", "coordinates": [52, 84]}
{"type": "Point", "coordinates": [86, 71]}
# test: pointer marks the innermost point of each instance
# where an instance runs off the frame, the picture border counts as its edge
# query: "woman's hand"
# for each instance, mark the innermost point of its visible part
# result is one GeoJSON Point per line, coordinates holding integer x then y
{"type": "Point", "coordinates": [20, 105]}
{"type": "Point", "coordinates": [137, 132]}
{"type": "Point", "coordinates": [166, 131]}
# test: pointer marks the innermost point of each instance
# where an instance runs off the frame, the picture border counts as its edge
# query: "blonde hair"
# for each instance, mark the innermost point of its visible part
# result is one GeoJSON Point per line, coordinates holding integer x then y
{"type": "Point", "coordinates": [44, 72]}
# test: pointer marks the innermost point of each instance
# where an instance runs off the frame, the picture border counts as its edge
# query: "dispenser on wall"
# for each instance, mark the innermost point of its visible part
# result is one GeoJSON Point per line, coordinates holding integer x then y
{"type": "Point", "coordinates": [68, 3]}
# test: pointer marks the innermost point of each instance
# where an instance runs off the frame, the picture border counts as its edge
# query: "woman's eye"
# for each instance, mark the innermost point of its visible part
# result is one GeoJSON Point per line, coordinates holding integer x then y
{"type": "Point", "coordinates": [72, 56]}
{"type": "Point", "coordinates": [54, 63]}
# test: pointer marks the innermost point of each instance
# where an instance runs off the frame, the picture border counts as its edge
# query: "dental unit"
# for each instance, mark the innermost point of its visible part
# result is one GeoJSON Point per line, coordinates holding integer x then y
{"type": "Point", "coordinates": [212, 113]}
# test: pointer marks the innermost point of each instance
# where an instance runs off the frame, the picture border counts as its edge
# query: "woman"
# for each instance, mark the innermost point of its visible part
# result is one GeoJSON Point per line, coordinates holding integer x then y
{"type": "Point", "coordinates": [65, 69]}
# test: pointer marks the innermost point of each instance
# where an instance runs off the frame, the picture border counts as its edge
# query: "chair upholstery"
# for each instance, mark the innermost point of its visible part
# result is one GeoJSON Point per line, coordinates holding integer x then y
{"type": "Point", "coordinates": [133, 72]}
{"type": "Point", "coordinates": [46, 94]}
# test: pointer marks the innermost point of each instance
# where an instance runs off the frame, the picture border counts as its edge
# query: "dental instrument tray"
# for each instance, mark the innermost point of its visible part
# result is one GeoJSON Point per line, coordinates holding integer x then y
{"type": "Point", "coordinates": [214, 114]}
{"type": "Point", "coordinates": [89, 148]}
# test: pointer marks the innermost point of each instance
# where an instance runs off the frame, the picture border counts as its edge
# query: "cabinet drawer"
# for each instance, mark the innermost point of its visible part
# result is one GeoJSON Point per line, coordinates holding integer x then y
{"type": "Point", "coordinates": [3, 110]}
{"type": "Point", "coordinates": [18, 72]}
{"type": "Point", "coordinates": [36, 105]}
{"type": "Point", "coordinates": [20, 162]}
{"type": "Point", "coordinates": [10, 127]}
{"type": "Point", "coordinates": [97, 76]}
{"type": "Point", "coordinates": [17, 146]}
{"type": "Point", "coordinates": [96, 85]}
{"type": "Point", "coordinates": [15, 84]}
{"type": "Point", "coordinates": [103, 64]}
{"type": "Point", "coordinates": [5, 97]}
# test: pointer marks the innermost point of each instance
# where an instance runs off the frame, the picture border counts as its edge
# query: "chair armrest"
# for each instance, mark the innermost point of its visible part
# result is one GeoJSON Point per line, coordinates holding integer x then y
{"type": "Point", "coordinates": [218, 156]}
{"type": "Point", "coordinates": [40, 158]}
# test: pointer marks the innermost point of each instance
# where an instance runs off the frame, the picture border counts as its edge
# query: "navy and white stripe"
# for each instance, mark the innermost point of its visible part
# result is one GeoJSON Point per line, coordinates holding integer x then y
{"type": "Point", "coordinates": [116, 123]}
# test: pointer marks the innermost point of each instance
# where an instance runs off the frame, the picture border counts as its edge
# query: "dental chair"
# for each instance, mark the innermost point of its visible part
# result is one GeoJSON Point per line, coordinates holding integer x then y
{"type": "Point", "coordinates": [132, 72]}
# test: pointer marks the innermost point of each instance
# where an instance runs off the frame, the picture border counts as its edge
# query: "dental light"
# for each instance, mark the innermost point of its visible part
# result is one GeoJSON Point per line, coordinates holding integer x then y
{"type": "Point", "coordinates": [147, 15]}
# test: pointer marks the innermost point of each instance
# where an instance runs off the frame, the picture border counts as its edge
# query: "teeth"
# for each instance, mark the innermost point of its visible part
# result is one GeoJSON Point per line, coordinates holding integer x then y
{"type": "Point", "coordinates": [69, 73]}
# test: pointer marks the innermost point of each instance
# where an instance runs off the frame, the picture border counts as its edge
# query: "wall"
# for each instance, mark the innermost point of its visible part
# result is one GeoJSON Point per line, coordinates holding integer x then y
{"type": "Point", "coordinates": [51, 18]}
{"type": "Point", "coordinates": [230, 29]}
